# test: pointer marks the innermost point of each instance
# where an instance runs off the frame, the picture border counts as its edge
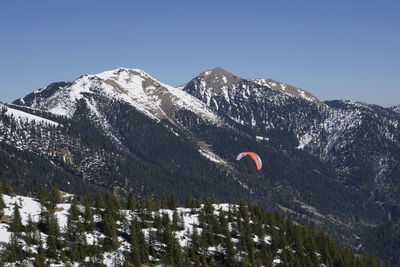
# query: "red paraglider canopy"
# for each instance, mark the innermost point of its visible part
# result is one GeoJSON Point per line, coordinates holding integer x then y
{"type": "Point", "coordinates": [254, 156]}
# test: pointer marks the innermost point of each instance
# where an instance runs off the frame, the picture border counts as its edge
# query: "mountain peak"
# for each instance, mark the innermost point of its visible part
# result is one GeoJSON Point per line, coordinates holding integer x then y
{"type": "Point", "coordinates": [120, 71]}
{"type": "Point", "coordinates": [211, 82]}
{"type": "Point", "coordinates": [218, 76]}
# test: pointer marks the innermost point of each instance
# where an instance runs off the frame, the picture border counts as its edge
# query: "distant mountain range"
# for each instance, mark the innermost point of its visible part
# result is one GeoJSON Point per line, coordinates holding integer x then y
{"type": "Point", "coordinates": [335, 164]}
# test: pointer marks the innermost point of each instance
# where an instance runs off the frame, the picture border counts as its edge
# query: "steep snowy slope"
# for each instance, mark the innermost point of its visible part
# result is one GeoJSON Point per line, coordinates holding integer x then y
{"type": "Point", "coordinates": [24, 117]}
{"type": "Point", "coordinates": [132, 86]}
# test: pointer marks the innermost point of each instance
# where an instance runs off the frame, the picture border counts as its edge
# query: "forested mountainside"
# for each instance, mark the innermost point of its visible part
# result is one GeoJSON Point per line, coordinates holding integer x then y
{"type": "Point", "coordinates": [334, 164]}
{"type": "Point", "coordinates": [100, 230]}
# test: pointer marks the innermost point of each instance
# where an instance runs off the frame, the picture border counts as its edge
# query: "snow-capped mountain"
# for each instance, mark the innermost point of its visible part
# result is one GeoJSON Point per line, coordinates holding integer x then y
{"type": "Point", "coordinates": [330, 163]}
{"type": "Point", "coordinates": [133, 86]}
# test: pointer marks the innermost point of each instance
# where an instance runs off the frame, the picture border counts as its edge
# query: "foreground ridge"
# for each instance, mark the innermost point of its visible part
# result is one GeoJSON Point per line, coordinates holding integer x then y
{"type": "Point", "coordinates": [106, 232]}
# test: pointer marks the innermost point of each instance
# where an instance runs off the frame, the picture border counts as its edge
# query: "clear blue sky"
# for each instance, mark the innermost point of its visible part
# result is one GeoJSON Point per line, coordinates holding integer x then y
{"type": "Point", "coordinates": [334, 49]}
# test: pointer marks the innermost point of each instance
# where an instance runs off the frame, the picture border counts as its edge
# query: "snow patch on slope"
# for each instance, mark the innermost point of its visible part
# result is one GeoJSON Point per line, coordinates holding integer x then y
{"type": "Point", "coordinates": [212, 156]}
{"type": "Point", "coordinates": [23, 116]}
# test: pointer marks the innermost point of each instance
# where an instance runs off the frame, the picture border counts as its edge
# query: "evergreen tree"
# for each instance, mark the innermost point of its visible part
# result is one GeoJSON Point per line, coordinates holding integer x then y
{"type": "Point", "coordinates": [7, 188]}
{"type": "Point", "coordinates": [194, 248]}
{"type": "Point", "coordinates": [88, 217]}
{"type": "Point", "coordinates": [131, 203]}
{"type": "Point", "coordinates": [99, 202]}
{"type": "Point", "coordinates": [109, 228]}
{"type": "Point", "coordinates": [16, 224]}
{"type": "Point", "coordinates": [135, 252]}
{"type": "Point", "coordinates": [74, 210]}
{"type": "Point", "coordinates": [53, 243]}
{"type": "Point", "coordinates": [31, 230]}
{"type": "Point", "coordinates": [2, 205]}
{"type": "Point", "coordinates": [230, 251]}
{"type": "Point", "coordinates": [173, 254]}
{"type": "Point", "coordinates": [177, 221]}
{"type": "Point", "coordinates": [71, 233]}
{"type": "Point", "coordinates": [40, 258]}
{"type": "Point", "coordinates": [55, 196]}
{"type": "Point", "coordinates": [43, 196]}
{"type": "Point", "coordinates": [172, 203]}
{"type": "Point", "coordinates": [14, 251]}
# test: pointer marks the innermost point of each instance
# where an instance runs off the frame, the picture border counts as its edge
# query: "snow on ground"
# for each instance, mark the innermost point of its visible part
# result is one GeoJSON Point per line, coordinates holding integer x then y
{"type": "Point", "coordinates": [62, 211]}
{"type": "Point", "coordinates": [27, 206]}
{"type": "Point", "coordinates": [4, 234]}
{"type": "Point", "coordinates": [304, 140]}
{"type": "Point", "coordinates": [276, 262]}
{"type": "Point", "coordinates": [212, 156]}
{"type": "Point", "coordinates": [23, 116]}
{"type": "Point", "coordinates": [262, 138]}
{"type": "Point", "coordinates": [188, 217]}
{"type": "Point", "coordinates": [113, 259]}
{"type": "Point", "coordinates": [268, 239]}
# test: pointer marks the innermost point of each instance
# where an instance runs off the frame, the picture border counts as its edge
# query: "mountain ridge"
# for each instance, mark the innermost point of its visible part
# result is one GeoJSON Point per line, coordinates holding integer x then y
{"type": "Point", "coordinates": [185, 139]}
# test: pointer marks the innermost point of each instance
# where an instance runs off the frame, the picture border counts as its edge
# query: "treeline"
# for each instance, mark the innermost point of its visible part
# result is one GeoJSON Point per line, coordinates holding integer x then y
{"type": "Point", "coordinates": [157, 232]}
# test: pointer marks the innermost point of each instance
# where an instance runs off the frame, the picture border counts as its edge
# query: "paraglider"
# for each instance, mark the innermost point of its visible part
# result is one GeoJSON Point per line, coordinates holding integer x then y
{"type": "Point", "coordinates": [254, 156]}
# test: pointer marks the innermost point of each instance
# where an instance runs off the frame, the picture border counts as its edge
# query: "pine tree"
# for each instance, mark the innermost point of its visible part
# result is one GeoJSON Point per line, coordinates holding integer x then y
{"type": "Point", "coordinates": [42, 196]}
{"type": "Point", "coordinates": [55, 195]}
{"type": "Point", "coordinates": [74, 211]}
{"type": "Point", "coordinates": [112, 204]}
{"type": "Point", "coordinates": [54, 198]}
{"type": "Point", "coordinates": [135, 252]}
{"type": "Point", "coordinates": [99, 202]}
{"type": "Point", "coordinates": [14, 251]}
{"type": "Point", "coordinates": [88, 217]}
{"type": "Point", "coordinates": [71, 233]}
{"type": "Point", "coordinates": [230, 251]}
{"type": "Point", "coordinates": [173, 253]}
{"type": "Point", "coordinates": [16, 224]}
{"type": "Point", "coordinates": [172, 203]}
{"type": "Point", "coordinates": [194, 248]}
{"type": "Point", "coordinates": [7, 188]}
{"type": "Point", "coordinates": [109, 229]}
{"type": "Point", "coordinates": [30, 230]}
{"type": "Point", "coordinates": [53, 243]}
{"type": "Point", "coordinates": [131, 203]}
{"type": "Point", "coordinates": [144, 246]}
{"type": "Point", "coordinates": [40, 258]}
{"type": "Point", "coordinates": [2, 206]}
{"type": "Point", "coordinates": [177, 222]}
